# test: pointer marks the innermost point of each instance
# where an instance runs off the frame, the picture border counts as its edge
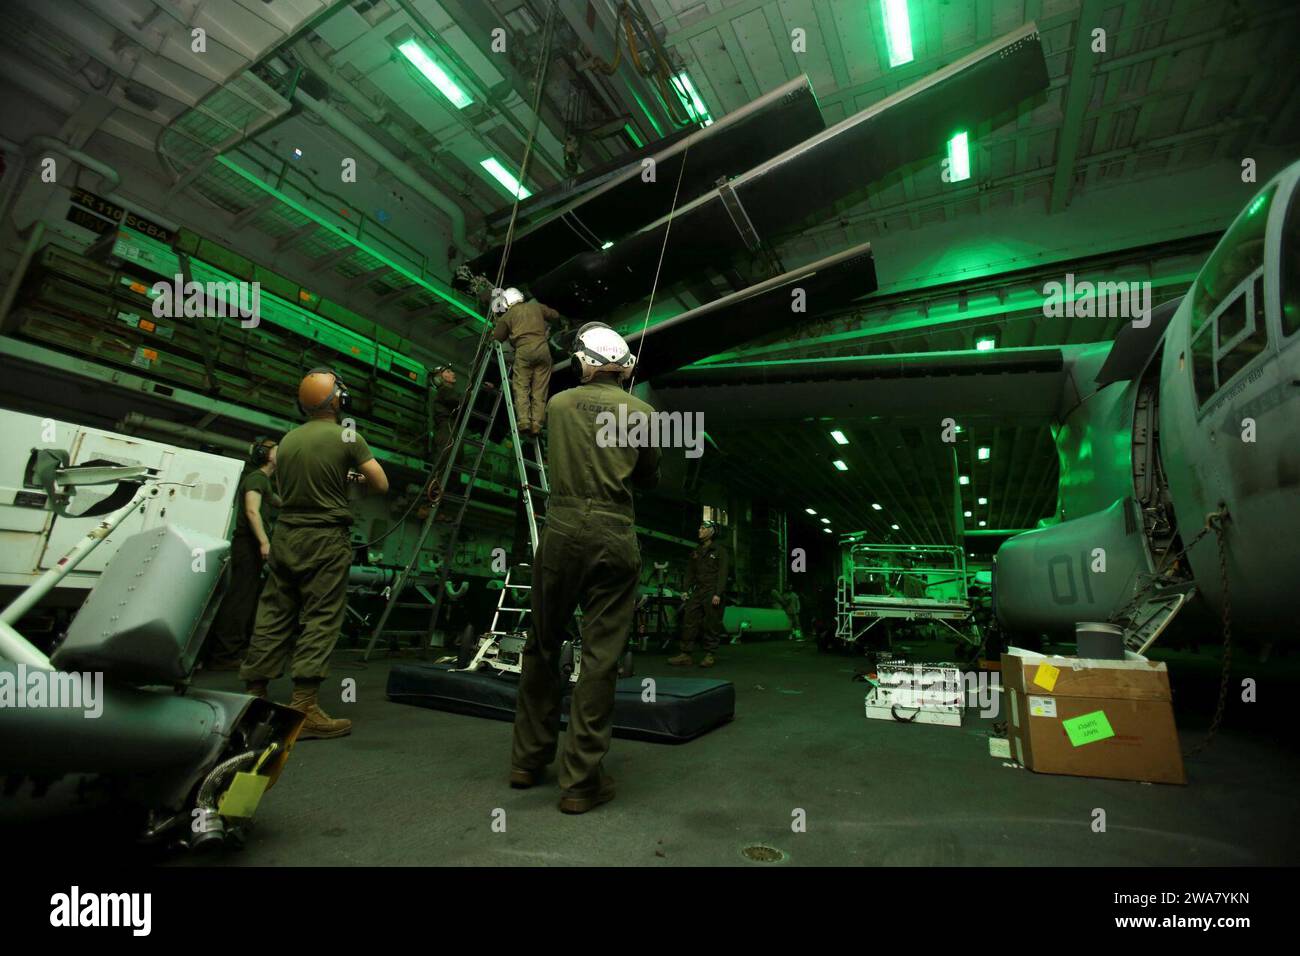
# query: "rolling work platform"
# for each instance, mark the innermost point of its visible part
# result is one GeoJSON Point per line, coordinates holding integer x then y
{"type": "Point", "coordinates": [903, 583]}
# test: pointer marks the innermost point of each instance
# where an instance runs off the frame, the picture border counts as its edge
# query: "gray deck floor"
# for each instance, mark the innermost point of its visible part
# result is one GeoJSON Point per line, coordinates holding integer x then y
{"type": "Point", "coordinates": [420, 787]}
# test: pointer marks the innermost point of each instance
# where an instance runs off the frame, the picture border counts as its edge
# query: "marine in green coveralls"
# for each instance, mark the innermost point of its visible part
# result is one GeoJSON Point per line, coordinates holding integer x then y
{"type": "Point", "coordinates": [524, 325]}
{"type": "Point", "coordinates": [587, 557]}
{"type": "Point", "coordinates": [249, 547]}
{"type": "Point", "coordinates": [445, 405]}
{"type": "Point", "coordinates": [303, 602]}
{"type": "Point", "coordinates": [706, 579]}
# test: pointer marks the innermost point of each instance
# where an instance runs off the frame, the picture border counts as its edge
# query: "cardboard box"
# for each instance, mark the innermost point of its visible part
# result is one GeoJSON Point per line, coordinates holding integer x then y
{"type": "Point", "coordinates": [1091, 718]}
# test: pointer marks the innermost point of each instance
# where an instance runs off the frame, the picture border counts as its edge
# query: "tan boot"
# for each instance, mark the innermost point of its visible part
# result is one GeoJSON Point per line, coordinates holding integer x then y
{"type": "Point", "coordinates": [318, 724]}
{"type": "Point", "coordinates": [682, 660]}
{"type": "Point", "coordinates": [708, 661]}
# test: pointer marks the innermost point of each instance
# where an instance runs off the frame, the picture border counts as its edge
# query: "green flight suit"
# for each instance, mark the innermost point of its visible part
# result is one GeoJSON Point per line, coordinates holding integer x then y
{"type": "Point", "coordinates": [524, 324]}
{"type": "Point", "coordinates": [706, 576]}
{"type": "Point", "coordinates": [234, 621]}
{"type": "Point", "coordinates": [304, 599]}
{"type": "Point", "coordinates": [587, 557]}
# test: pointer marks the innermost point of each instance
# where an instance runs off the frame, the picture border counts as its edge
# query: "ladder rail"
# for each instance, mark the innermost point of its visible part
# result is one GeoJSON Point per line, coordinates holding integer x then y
{"type": "Point", "coordinates": [468, 409]}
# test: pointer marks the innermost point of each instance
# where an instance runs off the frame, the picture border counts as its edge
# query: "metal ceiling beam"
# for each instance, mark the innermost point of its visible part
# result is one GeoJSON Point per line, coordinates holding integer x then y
{"type": "Point", "coordinates": [1078, 93]}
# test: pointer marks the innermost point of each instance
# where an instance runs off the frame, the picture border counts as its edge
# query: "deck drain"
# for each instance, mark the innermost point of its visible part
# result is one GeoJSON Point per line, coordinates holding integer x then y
{"type": "Point", "coordinates": [761, 853]}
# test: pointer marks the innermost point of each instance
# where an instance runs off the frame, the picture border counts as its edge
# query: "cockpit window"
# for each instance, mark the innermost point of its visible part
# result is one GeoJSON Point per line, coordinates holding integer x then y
{"type": "Point", "coordinates": [1230, 339]}
{"type": "Point", "coordinates": [1240, 253]}
{"type": "Point", "coordinates": [1291, 267]}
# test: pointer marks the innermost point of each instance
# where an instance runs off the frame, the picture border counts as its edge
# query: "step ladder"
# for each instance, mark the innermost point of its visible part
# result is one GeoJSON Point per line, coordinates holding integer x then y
{"type": "Point", "coordinates": [479, 410]}
{"type": "Point", "coordinates": [502, 647]}
{"type": "Point", "coordinates": [1148, 620]}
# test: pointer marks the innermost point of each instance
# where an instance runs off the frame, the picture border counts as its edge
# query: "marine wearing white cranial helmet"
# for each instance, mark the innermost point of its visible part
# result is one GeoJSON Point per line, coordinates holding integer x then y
{"type": "Point", "coordinates": [598, 348]}
{"type": "Point", "coordinates": [502, 299]}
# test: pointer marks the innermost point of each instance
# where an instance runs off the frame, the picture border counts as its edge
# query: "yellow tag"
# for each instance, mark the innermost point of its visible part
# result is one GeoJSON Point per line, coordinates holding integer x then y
{"type": "Point", "coordinates": [1046, 676]}
{"type": "Point", "coordinates": [244, 795]}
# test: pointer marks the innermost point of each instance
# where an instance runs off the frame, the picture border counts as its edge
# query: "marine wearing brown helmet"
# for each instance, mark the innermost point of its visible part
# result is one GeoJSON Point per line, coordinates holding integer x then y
{"type": "Point", "coordinates": [301, 609]}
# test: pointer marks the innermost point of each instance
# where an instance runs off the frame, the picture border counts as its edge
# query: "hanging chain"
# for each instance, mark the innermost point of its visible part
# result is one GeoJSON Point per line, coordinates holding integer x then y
{"type": "Point", "coordinates": [1215, 522]}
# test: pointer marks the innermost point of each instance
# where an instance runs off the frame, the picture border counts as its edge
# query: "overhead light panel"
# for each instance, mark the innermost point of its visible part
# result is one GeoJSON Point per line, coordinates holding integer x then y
{"type": "Point", "coordinates": [810, 511]}
{"type": "Point", "coordinates": [505, 178]}
{"type": "Point", "coordinates": [983, 501]}
{"type": "Point", "coordinates": [984, 452]}
{"type": "Point", "coordinates": [894, 526]}
{"type": "Point", "coordinates": [827, 530]}
{"type": "Point", "coordinates": [963, 479]}
{"type": "Point", "coordinates": [826, 520]}
{"type": "Point", "coordinates": [876, 507]}
{"type": "Point", "coordinates": [958, 158]}
{"type": "Point", "coordinates": [898, 31]}
{"type": "Point", "coordinates": [608, 245]}
{"type": "Point", "coordinates": [987, 344]}
{"type": "Point", "coordinates": [431, 70]}
{"type": "Point", "coordinates": [966, 514]}
{"type": "Point", "coordinates": [983, 523]}
{"type": "Point", "coordinates": [693, 98]}
{"type": "Point", "coordinates": [839, 437]}
{"type": "Point", "coordinates": [840, 465]}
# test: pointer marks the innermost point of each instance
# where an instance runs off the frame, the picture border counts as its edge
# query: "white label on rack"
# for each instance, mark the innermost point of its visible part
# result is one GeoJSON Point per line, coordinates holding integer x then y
{"type": "Point", "coordinates": [1042, 706]}
{"type": "Point", "coordinates": [1015, 708]}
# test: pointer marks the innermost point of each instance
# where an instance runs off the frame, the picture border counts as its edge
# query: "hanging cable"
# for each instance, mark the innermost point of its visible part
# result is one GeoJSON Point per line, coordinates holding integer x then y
{"type": "Point", "coordinates": [672, 210]}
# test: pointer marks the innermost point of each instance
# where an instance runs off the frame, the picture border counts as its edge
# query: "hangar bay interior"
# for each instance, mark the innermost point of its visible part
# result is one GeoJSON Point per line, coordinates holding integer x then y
{"type": "Point", "coordinates": [970, 329]}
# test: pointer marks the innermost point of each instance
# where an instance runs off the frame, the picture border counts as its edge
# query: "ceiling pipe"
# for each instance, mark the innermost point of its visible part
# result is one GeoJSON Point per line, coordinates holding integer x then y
{"type": "Point", "coordinates": [317, 65]}
{"type": "Point", "coordinates": [111, 180]}
{"type": "Point", "coordinates": [134, 421]}
{"type": "Point", "coordinates": [392, 165]}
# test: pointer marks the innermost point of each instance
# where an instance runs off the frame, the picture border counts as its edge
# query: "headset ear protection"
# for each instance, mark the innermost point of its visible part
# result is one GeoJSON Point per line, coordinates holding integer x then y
{"type": "Point", "coordinates": [260, 451]}
{"type": "Point", "coordinates": [340, 391]}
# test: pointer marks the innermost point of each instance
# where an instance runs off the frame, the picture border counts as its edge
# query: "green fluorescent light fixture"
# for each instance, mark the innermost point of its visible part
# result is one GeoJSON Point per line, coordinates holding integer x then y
{"type": "Point", "coordinates": [839, 437]}
{"type": "Point", "coordinates": [986, 344]}
{"type": "Point", "coordinates": [984, 452]}
{"type": "Point", "coordinates": [840, 465]}
{"type": "Point", "coordinates": [826, 520]}
{"type": "Point", "coordinates": [810, 511]}
{"type": "Point", "coordinates": [504, 177]}
{"type": "Point", "coordinates": [966, 514]}
{"type": "Point", "coordinates": [983, 501]}
{"type": "Point", "coordinates": [429, 68]}
{"type": "Point", "coordinates": [632, 135]}
{"type": "Point", "coordinates": [876, 507]}
{"type": "Point", "coordinates": [827, 530]}
{"type": "Point", "coordinates": [983, 523]}
{"type": "Point", "coordinates": [898, 31]}
{"type": "Point", "coordinates": [894, 527]}
{"type": "Point", "coordinates": [958, 158]}
{"type": "Point", "coordinates": [963, 479]}
{"type": "Point", "coordinates": [694, 101]}
{"type": "Point", "coordinates": [608, 245]}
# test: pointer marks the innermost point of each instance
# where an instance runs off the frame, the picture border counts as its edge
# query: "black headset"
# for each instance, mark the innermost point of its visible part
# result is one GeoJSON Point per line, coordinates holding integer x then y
{"type": "Point", "coordinates": [260, 451]}
{"type": "Point", "coordinates": [340, 391]}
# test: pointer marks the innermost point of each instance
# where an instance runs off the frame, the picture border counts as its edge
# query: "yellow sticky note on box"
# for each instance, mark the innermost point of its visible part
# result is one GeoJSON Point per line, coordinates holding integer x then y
{"type": "Point", "coordinates": [1046, 676]}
